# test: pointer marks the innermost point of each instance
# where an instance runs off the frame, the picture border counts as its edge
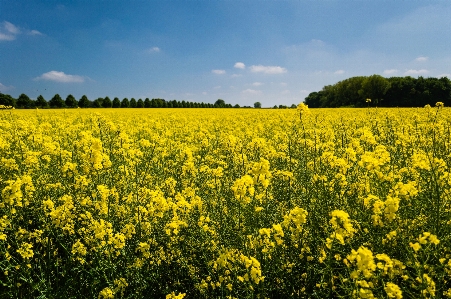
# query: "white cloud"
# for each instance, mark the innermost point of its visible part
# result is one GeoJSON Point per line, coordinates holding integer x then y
{"type": "Point", "coordinates": [7, 37]}
{"type": "Point", "coordinates": [218, 72]}
{"type": "Point", "coordinates": [257, 84]}
{"type": "Point", "coordinates": [10, 28]}
{"type": "Point", "coordinates": [444, 75]}
{"type": "Point", "coordinates": [239, 65]}
{"type": "Point", "coordinates": [5, 88]}
{"type": "Point", "coordinates": [339, 72]}
{"type": "Point", "coordinates": [34, 32]}
{"type": "Point", "coordinates": [416, 72]}
{"type": "Point", "coordinates": [283, 84]}
{"type": "Point", "coordinates": [154, 50]}
{"type": "Point", "coordinates": [268, 69]}
{"type": "Point", "coordinates": [390, 72]}
{"type": "Point", "coordinates": [236, 75]}
{"type": "Point", "coordinates": [422, 58]}
{"type": "Point", "coordinates": [60, 77]}
{"type": "Point", "coordinates": [252, 92]}
{"type": "Point", "coordinates": [9, 31]}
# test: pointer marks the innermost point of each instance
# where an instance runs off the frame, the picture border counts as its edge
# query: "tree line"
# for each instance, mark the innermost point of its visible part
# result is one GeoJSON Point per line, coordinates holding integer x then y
{"type": "Point", "coordinates": [24, 102]}
{"type": "Point", "coordinates": [382, 92]}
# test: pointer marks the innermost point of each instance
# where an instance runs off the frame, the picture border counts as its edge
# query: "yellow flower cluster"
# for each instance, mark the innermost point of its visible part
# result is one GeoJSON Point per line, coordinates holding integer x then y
{"type": "Point", "coordinates": [226, 203]}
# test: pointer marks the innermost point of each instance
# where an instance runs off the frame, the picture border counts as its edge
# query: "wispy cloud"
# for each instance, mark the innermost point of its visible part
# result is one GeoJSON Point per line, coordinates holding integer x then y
{"type": "Point", "coordinates": [267, 69]}
{"type": "Point", "coordinates": [60, 77]}
{"type": "Point", "coordinates": [239, 65]}
{"type": "Point", "coordinates": [5, 88]}
{"type": "Point", "coordinates": [339, 72]}
{"type": "Point", "coordinates": [285, 92]}
{"type": "Point", "coordinates": [257, 84]}
{"type": "Point", "coordinates": [390, 72]}
{"type": "Point", "coordinates": [250, 91]}
{"type": "Point", "coordinates": [11, 28]}
{"type": "Point", "coordinates": [34, 32]}
{"type": "Point", "coordinates": [9, 31]}
{"type": "Point", "coordinates": [422, 58]}
{"type": "Point", "coordinates": [153, 50]}
{"type": "Point", "coordinates": [416, 72]}
{"type": "Point", "coordinates": [218, 72]}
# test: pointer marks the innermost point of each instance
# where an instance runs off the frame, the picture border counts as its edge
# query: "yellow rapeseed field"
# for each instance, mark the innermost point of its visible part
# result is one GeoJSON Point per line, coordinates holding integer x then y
{"type": "Point", "coordinates": [225, 203]}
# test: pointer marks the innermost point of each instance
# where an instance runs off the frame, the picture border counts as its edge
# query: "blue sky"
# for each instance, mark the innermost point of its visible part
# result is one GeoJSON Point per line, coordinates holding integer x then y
{"type": "Point", "coordinates": [275, 52]}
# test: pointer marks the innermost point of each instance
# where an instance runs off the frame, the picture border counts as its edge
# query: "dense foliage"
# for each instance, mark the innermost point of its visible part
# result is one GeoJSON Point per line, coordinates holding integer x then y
{"type": "Point", "coordinates": [383, 92]}
{"type": "Point", "coordinates": [24, 102]}
{"type": "Point", "coordinates": [225, 203]}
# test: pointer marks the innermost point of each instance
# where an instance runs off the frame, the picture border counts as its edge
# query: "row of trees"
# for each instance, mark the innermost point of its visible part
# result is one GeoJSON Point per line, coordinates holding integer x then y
{"type": "Point", "coordinates": [23, 101]}
{"type": "Point", "coordinates": [383, 92]}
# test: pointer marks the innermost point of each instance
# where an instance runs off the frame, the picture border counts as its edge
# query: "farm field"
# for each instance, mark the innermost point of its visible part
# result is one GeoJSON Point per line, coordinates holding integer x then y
{"type": "Point", "coordinates": [225, 203]}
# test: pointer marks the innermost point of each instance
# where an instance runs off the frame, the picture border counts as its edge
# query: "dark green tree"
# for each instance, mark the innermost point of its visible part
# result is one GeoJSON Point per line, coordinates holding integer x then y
{"type": "Point", "coordinates": [116, 103]}
{"type": "Point", "coordinates": [71, 102]}
{"type": "Point", "coordinates": [140, 103]}
{"type": "Point", "coordinates": [57, 102]}
{"type": "Point", "coordinates": [133, 103]}
{"type": "Point", "coordinates": [125, 103]}
{"type": "Point", "coordinates": [84, 102]}
{"type": "Point", "coordinates": [147, 103]}
{"type": "Point", "coordinates": [257, 105]}
{"type": "Point", "coordinates": [220, 103]}
{"type": "Point", "coordinates": [41, 102]}
{"type": "Point", "coordinates": [236, 106]}
{"type": "Point", "coordinates": [374, 87]}
{"type": "Point", "coordinates": [106, 103]}
{"type": "Point", "coordinates": [24, 101]}
{"type": "Point", "coordinates": [97, 103]}
{"type": "Point", "coordinates": [7, 100]}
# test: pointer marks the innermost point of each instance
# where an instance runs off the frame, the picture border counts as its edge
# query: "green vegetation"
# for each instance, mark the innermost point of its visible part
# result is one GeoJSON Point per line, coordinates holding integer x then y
{"type": "Point", "coordinates": [383, 92]}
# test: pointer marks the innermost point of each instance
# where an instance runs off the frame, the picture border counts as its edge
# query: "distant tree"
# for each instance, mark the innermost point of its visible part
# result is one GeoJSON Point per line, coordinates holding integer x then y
{"type": "Point", "coordinates": [24, 101]}
{"type": "Point", "coordinates": [158, 103]}
{"type": "Point", "coordinates": [7, 100]}
{"type": "Point", "coordinates": [71, 102]}
{"type": "Point", "coordinates": [164, 104]}
{"type": "Point", "coordinates": [106, 103]}
{"type": "Point", "coordinates": [147, 103]}
{"type": "Point", "coordinates": [170, 104]}
{"type": "Point", "coordinates": [257, 105]}
{"type": "Point", "coordinates": [41, 102]}
{"type": "Point", "coordinates": [140, 103]}
{"type": "Point", "coordinates": [220, 103]}
{"type": "Point", "coordinates": [97, 103]}
{"type": "Point", "coordinates": [56, 102]}
{"type": "Point", "coordinates": [84, 102]}
{"type": "Point", "coordinates": [175, 104]}
{"type": "Point", "coordinates": [133, 103]}
{"type": "Point", "coordinates": [293, 106]}
{"type": "Point", "coordinates": [125, 103]}
{"type": "Point", "coordinates": [116, 103]}
{"type": "Point", "coordinates": [275, 107]}
{"type": "Point", "coordinates": [236, 106]}
{"type": "Point", "coordinates": [374, 87]}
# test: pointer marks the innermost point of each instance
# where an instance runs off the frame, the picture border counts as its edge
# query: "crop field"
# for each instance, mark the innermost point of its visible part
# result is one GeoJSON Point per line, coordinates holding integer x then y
{"type": "Point", "coordinates": [225, 203]}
